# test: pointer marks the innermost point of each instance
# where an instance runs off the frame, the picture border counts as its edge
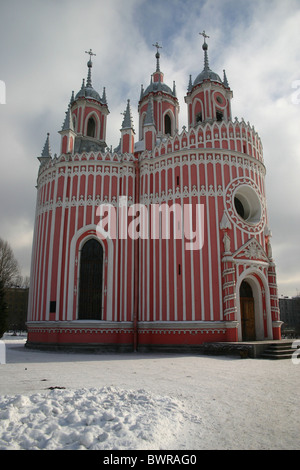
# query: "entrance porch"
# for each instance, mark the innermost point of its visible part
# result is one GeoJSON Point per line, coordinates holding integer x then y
{"type": "Point", "coordinates": [268, 349]}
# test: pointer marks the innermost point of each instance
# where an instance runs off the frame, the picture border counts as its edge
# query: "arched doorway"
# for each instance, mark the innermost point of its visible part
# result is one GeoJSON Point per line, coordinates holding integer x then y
{"type": "Point", "coordinates": [90, 281]}
{"type": "Point", "coordinates": [247, 312]}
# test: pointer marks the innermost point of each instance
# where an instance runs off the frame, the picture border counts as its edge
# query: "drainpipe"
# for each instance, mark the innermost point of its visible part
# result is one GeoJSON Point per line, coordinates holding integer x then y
{"type": "Point", "coordinates": [136, 265]}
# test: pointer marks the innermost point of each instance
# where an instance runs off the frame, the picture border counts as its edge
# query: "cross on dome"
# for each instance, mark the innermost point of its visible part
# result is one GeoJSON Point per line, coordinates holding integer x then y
{"type": "Point", "coordinates": [204, 35]}
{"type": "Point", "coordinates": [205, 47]}
{"type": "Point", "coordinates": [157, 46]}
{"type": "Point", "coordinates": [89, 64]}
{"type": "Point", "coordinates": [90, 52]}
{"type": "Point", "coordinates": [157, 55]}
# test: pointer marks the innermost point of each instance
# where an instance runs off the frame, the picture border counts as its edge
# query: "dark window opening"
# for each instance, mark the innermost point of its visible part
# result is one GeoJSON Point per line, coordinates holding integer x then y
{"type": "Point", "coordinates": [167, 124]}
{"type": "Point", "coordinates": [177, 180]}
{"type": "Point", "coordinates": [52, 306]}
{"type": "Point", "coordinates": [179, 269]}
{"type": "Point", "coordinates": [199, 117]}
{"type": "Point", "coordinates": [91, 127]}
{"type": "Point", "coordinates": [219, 115]}
{"type": "Point", "coordinates": [239, 208]}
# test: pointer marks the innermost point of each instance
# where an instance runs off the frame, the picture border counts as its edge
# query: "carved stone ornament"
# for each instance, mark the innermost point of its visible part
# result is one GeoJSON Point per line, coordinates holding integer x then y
{"type": "Point", "coordinates": [269, 247]}
{"type": "Point", "coordinates": [230, 209]}
{"type": "Point", "coordinates": [226, 241]}
{"type": "Point", "coordinates": [225, 222]}
{"type": "Point", "coordinates": [251, 250]}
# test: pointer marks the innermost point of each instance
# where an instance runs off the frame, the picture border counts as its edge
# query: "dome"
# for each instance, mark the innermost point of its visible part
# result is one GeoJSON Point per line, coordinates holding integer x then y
{"type": "Point", "coordinates": [88, 92]}
{"type": "Point", "coordinates": [154, 87]}
{"type": "Point", "coordinates": [207, 74]}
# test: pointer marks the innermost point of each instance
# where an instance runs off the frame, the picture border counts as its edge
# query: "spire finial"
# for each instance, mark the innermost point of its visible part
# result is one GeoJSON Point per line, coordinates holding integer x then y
{"type": "Point", "coordinates": [225, 81]}
{"type": "Point", "coordinates": [72, 98]}
{"type": "Point", "coordinates": [157, 55]}
{"type": "Point", "coordinates": [104, 100]}
{"type": "Point", "coordinates": [142, 92]}
{"type": "Point", "coordinates": [205, 47]}
{"type": "Point", "coordinates": [90, 65]}
{"type": "Point", "coordinates": [174, 88]}
{"type": "Point", "coordinates": [82, 89]}
{"type": "Point", "coordinates": [68, 122]}
{"type": "Point", "coordinates": [190, 85]}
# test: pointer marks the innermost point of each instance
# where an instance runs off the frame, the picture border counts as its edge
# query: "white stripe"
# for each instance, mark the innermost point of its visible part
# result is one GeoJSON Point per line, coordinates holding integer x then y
{"type": "Point", "coordinates": [192, 277]}
{"type": "Point", "coordinates": [61, 238]}
{"type": "Point", "coordinates": [218, 243]}
{"type": "Point", "coordinates": [209, 250]}
{"type": "Point", "coordinates": [183, 258]}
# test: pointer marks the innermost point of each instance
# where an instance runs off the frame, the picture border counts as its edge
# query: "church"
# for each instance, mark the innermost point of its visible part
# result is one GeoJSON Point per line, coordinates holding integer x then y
{"type": "Point", "coordinates": [200, 270]}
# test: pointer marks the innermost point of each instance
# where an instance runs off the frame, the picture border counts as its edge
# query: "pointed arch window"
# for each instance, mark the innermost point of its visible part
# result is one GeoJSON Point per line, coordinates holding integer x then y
{"type": "Point", "coordinates": [74, 122]}
{"type": "Point", "coordinates": [219, 115]}
{"type": "Point", "coordinates": [199, 117]}
{"type": "Point", "coordinates": [91, 127]}
{"type": "Point", "coordinates": [143, 119]}
{"type": "Point", "coordinates": [90, 281]}
{"type": "Point", "coordinates": [168, 124]}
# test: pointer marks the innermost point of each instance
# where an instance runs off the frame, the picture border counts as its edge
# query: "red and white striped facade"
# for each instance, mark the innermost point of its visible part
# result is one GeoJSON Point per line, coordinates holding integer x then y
{"type": "Point", "coordinates": [155, 292]}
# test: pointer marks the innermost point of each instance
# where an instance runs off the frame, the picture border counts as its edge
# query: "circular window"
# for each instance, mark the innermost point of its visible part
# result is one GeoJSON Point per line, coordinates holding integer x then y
{"type": "Point", "coordinates": [239, 207]}
{"type": "Point", "coordinates": [220, 99]}
{"type": "Point", "coordinates": [247, 204]}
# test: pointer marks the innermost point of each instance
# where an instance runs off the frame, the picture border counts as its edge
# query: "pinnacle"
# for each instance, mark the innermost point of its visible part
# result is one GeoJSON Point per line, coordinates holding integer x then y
{"type": "Point", "coordinates": [46, 150]}
{"type": "Point", "coordinates": [127, 121]}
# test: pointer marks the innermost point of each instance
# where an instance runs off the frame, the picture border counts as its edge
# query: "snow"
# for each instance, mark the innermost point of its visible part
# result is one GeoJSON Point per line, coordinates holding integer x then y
{"type": "Point", "coordinates": [104, 418]}
{"type": "Point", "coordinates": [134, 401]}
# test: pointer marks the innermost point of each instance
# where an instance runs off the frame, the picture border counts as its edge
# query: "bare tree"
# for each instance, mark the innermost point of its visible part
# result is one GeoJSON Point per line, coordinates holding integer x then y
{"type": "Point", "coordinates": [9, 268]}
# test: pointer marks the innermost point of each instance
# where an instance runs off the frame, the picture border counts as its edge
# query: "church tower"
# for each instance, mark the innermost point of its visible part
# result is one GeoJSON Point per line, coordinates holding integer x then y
{"type": "Point", "coordinates": [158, 108]}
{"type": "Point", "coordinates": [208, 97]}
{"type": "Point", "coordinates": [87, 114]}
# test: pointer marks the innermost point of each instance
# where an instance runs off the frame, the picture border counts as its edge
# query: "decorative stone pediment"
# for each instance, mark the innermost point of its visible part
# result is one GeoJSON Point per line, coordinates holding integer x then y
{"type": "Point", "coordinates": [225, 223]}
{"type": "Point", "coordinates": [251, 250]}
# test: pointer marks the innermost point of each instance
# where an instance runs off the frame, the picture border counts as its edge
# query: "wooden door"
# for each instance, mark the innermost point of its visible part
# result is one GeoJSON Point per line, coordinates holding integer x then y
{"type": "Point", "coordinates": [248, 318]}
{"type": "Point", "coordinates": [90, 281]}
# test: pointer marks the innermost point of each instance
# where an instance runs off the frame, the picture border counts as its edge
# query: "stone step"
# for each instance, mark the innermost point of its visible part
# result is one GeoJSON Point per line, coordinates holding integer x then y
{"type": "Point", "coordinates": [276, 346]}
{"type": "Point", "coordinates": [279, 351]}
{"type": "Point", "coordinates": [267, 355]}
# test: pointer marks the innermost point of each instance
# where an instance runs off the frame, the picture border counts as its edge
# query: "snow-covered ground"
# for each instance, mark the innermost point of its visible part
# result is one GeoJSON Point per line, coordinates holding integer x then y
{"type": "Point", "coordinates": [56, 400]}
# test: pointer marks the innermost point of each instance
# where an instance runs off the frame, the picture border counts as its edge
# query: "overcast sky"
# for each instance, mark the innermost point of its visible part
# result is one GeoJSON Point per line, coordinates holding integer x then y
{"type": "Point", "coordinates": [42, 54]}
